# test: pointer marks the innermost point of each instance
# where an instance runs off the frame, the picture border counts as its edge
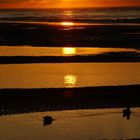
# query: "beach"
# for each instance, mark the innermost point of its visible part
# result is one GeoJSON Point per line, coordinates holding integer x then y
{"type": "Point", "coordinates": [55, 35]}
{"type": "Point", "coordinates": [122, 37]}
{"type": "Point", "coordinates": [79, 66]}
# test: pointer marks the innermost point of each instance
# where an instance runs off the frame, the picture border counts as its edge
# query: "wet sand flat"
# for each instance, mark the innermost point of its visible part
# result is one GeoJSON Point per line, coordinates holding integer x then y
{"type": "Point", "coordinates": [15, 101]}
{"type": "Point", "coordinates": [37, 34]}
{"type": "Point", "coordinates": [108, 57]}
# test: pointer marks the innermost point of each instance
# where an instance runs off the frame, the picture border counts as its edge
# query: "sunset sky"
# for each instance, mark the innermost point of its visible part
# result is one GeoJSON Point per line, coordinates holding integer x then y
{"type": "Point", "coordinates": [66, 3]}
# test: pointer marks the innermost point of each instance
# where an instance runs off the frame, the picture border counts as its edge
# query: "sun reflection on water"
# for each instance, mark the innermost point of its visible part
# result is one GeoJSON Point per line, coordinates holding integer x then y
{"type": "Point", "coordinates": [69, 51]}
{"type": "Point", "coordinates": [70, 80]}
{"type": "Point", "coordinates": [66, 23]}
{"type": "Point", "coordinates": [68, 13]}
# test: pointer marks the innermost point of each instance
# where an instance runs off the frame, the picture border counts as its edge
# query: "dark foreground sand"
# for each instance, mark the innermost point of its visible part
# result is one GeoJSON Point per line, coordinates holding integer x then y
{"type": "Point", "coordinates": [37, 34]}
{"type": "Point", "coordinates": [14, 101]}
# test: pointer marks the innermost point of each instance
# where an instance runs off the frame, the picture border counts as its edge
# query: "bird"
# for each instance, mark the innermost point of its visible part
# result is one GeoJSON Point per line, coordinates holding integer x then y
{"type": "Point", "coordinates": [127, 113]}
{"type": "Point", "coordinates": [47, 120]}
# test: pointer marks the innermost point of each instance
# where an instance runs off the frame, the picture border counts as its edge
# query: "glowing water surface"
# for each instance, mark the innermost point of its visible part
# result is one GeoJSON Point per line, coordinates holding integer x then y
{"type": "Point", "coordinates": [72, 125]}
{"type": "Point", "coordinates": [57, 51]}
{"type": "Point", "coordinates": [68, 75]}
{"type": "Point", "coordinates": [67, 23]}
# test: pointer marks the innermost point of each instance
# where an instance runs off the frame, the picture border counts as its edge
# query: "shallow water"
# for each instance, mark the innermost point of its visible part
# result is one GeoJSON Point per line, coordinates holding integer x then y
{"type": "Point", "coordinates": [55, 51]}
{"type": "Point", "coordinates": [68, 75]}
{"type": "Point", "coordinates": [72, 125]}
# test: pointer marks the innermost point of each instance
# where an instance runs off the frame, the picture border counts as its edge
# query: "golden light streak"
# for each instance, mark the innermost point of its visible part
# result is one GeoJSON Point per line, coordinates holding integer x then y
{"type": "Point", "coordinates": [69, 51]}
{"type": "Point", "coordinates": [67, 23]}
{"type": "Point", "coordinates": [70, 80]}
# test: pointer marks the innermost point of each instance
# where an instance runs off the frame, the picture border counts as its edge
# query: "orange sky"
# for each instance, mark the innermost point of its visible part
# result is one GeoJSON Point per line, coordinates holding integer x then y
{"type": "Point", "coordinates": [66, 3]}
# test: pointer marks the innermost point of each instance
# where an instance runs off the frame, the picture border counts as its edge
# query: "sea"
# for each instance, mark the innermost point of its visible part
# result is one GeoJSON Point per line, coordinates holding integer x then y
{"type": "Point", "coordinates": [86, 15]}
